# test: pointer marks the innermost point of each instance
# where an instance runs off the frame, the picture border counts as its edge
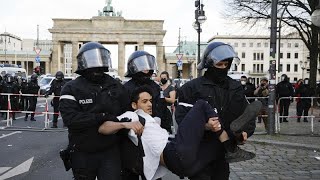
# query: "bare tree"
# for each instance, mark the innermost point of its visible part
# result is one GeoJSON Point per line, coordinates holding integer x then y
{"type": "Point", "coordinates": [296, 17]}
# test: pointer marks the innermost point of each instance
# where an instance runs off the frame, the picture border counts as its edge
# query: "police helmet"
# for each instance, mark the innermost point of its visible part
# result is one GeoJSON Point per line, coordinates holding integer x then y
{"type": "Point", "coordinates": [9, 78]}
{"type": "Point", "coordinates": [216, 52]}
{"type": "Point", "coordinates": [140, 61]}
{"type": "Point", "coordinates": [59, 75]}
{"type": "Point", "coordinates": [93, 55]}
{"type": "Point", "coordinates": [34, 77]}
{"type": "Point", "coordinates": [284, 77]}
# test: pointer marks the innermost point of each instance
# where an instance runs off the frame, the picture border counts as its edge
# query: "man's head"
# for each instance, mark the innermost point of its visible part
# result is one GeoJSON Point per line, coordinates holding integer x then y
{"type": "Point", "coordinates": [263, 81]}
{"type": "Point", "coordinates": [141, 63]}
{"type": "Point", "coordinates": [243, 80]}
{"type": "Point", "coordinates": [217, 58]}
{"type": "Point", "coordinates": [93, 60]}
{"type": "Point", "coordinates": [142, 99]}
{"type": "Point", "coordinates": [284, 77]}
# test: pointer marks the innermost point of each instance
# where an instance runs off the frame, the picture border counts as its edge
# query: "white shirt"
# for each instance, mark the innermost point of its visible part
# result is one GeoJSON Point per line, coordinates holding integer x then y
{"type": "Point", "coordinates": [154, 140]}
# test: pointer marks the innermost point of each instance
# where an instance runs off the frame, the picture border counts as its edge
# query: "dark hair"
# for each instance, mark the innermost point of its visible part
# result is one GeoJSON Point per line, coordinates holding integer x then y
{"type": "Point", "coordinates": [166, 73]}
{"type": "Point", "coordinates": [244, 77]}
{"type": "Point", "coordinates": [137, 91]}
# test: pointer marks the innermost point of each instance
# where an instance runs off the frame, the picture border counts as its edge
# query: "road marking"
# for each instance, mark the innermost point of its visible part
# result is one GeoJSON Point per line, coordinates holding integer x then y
{"type": "Point", "coordinates": [317, 157]}
{"type": "Point", "coordinates": [22, 168]}
{"type": "Point", "coordinates": [4, 169]}
{"type": "Point", "coordinates": [6, 135]}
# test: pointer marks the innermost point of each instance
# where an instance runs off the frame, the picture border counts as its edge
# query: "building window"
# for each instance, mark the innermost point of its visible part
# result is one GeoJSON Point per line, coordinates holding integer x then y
{"type": "Point", "coordinates": [254, 68]}
{"type": "Point", "coordinates": [280, 68]}
{"type": "Point", "coordinates": [243, 55]}
{"type": "Point", "coordinates": [262, 56]}
{"type": "Point", "coordinates": [288, 67]}
{"type": "Point", "coordinates": [296, 45]}
{"type": "Point", "coordinates": [281, 44]}
{"type": "Point", "coordinates": [258, 44]}
{"type": "Point", "coordinates": [281, 55]}
{"type": "Point", "coordinates": [295, 79]}
{"type": "Point", "coordinates": [254, 56]}
{"type": "Point", "coordinates": [261, 67]}
{"type": "Point", "coordinates": [289, 45]}
{"type": "Point", "coordinates": [251, 44]}
{"type": "Point", "coordinates": [258, 56]}
{"type": "Point", "coordinates": [243, 44]}
{"type": "Point", "coordinates": [243, 67]}
{"type": "Point", "coordinates": [235, 44]}
{"type": "Point", "coordinates": [266, 44]}
{"type": "Point", "coordinates": [296, 55]}
{"type": "Point", "coordinates": [295, 69]}
{"type": "Point", "coordinates": [288, 55]}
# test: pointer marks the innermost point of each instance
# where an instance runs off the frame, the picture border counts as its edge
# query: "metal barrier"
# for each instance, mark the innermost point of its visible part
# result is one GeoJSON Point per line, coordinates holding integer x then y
{"type": "Point", "coordinates": [9, 111]}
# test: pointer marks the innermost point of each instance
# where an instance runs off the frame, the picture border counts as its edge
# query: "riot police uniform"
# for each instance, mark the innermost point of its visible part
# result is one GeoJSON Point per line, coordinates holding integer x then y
{"type": "Point", "coordinates": [24, 90]}
{"type": "Point", "coordinates": [9, 86]}
{"type": "Point", "coordinates": [284, 89]}
{"type": "Point", "coordinates": [221, 92]}
{"type": "Point", "coordinates": [87, 102]}
{"type": "Point", "coordinates": [55, 88]}
{"type": "Point", "coordinates": [33, 88]}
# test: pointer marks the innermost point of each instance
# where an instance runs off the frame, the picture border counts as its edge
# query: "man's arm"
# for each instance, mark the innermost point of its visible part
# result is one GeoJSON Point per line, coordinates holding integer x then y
{"type": "Point", "coordinates": [110, 127]}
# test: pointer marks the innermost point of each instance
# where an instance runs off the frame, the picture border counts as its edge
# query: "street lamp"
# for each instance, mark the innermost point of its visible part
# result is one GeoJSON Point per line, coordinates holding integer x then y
{"type": "Point", "coordinates": [200, 18]}
{"type": "Point", "coordinates": [315, 16]}
{"type": "Point", "coordinates": [303, 65]}
{"type": "Point", "coordinates": [5, 44]}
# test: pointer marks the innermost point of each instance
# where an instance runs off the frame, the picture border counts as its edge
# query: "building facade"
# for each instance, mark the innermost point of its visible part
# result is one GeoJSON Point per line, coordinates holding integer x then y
{"type": "Point", "coordinates": [254, 51]}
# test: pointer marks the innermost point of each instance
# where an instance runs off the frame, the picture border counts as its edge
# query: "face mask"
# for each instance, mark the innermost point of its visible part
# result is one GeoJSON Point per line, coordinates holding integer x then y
{"type": "Point", "coordinates": [164, 81]}
{"type": "Point", "coordinates": [142, 78]}
{"type": "Point", "coordinates": [95, 77]}
{"type": "Point", "coordinates": [306, 81]}
{"type": "Point", "coordinates": [217, 75]}
{"type": "Point", "coordinates": [243, 82]}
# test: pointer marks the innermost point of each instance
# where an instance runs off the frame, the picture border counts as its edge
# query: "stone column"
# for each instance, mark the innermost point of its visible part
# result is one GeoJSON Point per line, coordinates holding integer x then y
{"type": "Point", "coordinates": [160, 57]}
{"type": "Point", "coordinates": [56, 57]}
{"type": "Point", "coordinates": [121, 59]}
{"type": "Point", "coordinates": [140, 46]}
{"type": "Point", "coordinates": [47, 67]}
{"type": "Point", "coordinates": [75, 50]}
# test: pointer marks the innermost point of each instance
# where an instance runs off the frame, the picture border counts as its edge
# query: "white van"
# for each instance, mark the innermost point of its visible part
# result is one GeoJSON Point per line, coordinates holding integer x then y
{"type": "Point", "coordinates": [12, 69]}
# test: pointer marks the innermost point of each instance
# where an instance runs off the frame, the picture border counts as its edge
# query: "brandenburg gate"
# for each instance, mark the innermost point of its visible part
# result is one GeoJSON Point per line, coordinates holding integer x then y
{"type": "Point", "coordinates": [106, 30]}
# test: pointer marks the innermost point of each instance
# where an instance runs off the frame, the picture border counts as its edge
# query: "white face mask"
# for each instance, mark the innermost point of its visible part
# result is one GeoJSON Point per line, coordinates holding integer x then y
{"type": "Point", "coordinates": [243, 82]}
{"type": "Point", "coordinates": [306, 81]}
{"type": "Point", "coordinates": [282, 78]}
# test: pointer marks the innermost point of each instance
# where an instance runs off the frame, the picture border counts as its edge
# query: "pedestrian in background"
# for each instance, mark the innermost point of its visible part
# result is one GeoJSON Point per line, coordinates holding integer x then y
{"type": "Point", "coordinates": [55, 88]}
{"type": "Point", "coordinates": [298, 99]}
{"type": "Point", "coordinates": [85, 104]}
{"type": "Point", "coordinates": [11, 87]}
{"type": "Point", "coordinates": [284, 89]}
{"type": "Point", "coordinates": [262, 91]}
{"type": "Point", "coordinates": [169, 98]}
{"type": "Point", "coordinates": [33, 88]}
{"type": "Point", "coordinates": [248, 88]}
{"type": "Point", "coordinates": [305, 91]}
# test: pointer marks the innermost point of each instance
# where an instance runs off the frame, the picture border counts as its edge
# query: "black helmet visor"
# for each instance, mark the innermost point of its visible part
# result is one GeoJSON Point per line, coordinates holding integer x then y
{"type": "Point", "coordinates": [95, 58]}
{"type": "Point", "coordinates": [221, 53]}
{"type": "Point", "coordinates": [143, 63]}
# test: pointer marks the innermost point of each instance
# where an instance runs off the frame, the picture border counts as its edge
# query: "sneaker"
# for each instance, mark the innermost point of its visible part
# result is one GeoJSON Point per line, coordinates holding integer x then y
{"type": "Point", "coordinates": [249, 113]}
{"type": "Point", "coordinates": [32, 119]}
{"type": "Point", "coordinates": [239, 155]}
{"type": "Point", "coordinates": [305, 120]}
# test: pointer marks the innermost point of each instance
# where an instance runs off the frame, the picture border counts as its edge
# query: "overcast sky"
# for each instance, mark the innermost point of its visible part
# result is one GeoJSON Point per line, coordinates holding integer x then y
{"type": "Point", "coordinates": [21, 17]}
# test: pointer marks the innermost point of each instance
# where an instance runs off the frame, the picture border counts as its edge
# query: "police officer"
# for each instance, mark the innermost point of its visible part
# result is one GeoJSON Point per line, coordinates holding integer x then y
{"type": "Point", "coordinates": [9, 86]}
{"type": "Point", "coordinates": [140, 67]}
{"type": "Point", "coordinates": [87, 102]}
{"type": "Point", "coordinates": [305, 91]}
{"type": "Point", "coordinates": [24, 90]}
{"type": "Point", "coordinates": [222, 92]}
{"type": "Point", "coordinates": [55, 88]}
{"type": "Point", "coordinates": [284, 89]}
{"type": "Point", "coordinates": [33, 88]}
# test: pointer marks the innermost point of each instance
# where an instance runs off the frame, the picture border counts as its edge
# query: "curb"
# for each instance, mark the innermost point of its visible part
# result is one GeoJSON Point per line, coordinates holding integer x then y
{"type": "Point", "coordinates": [285, 144]}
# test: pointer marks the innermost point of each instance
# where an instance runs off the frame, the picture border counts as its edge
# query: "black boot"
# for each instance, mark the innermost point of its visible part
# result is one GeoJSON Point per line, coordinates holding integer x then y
{"type": "Point", "coordinates": [305, 120]}
{"type": "Point", "coordinates": [32, 118]}
{"type": "Point", "coordinates": [13, 116]}
{"type": "Point", "coordinates": [54, 125]}
{"type": "Point", "coordinates": [235, 154]}
{"type": "Point", "coordinates": [251, 112]}
{"type": "Point", "coordinates": [285, 120]}
{"type": "Point", "coordinates": [298, 119]}
{"type": "Point", "coordinates": [26, 117]}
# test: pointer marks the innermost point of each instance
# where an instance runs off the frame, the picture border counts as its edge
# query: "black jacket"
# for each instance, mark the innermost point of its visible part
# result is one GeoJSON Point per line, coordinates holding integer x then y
{"type": "Point", "coordinates": [56, 87]}
{"type": "Point", "coordinates": [84, 106]}
{"type": "Point", "coordinates": [284, 89]}
{"type": "Point", "coordinates": [229, 101]}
